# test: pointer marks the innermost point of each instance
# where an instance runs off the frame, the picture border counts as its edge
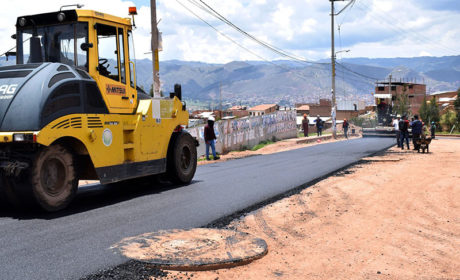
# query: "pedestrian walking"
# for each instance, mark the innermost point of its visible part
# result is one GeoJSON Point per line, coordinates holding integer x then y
{"type": "Point", "coordinates": [319, 126]}
{"type": "Point", "coordinates": [397, 132]}
{"type": "Point", "coordinates": [345, 126]}
{"type": "Point", "coordinates": [404, 130]}
{"type": "Point", "coordinates": [305, 125]}
{"type": "Point", "coordinates": [210, 138]}
{"type": "Point", "coordinates": [433, 130]}
{"type": "Point", "coordinates": [416, 126]}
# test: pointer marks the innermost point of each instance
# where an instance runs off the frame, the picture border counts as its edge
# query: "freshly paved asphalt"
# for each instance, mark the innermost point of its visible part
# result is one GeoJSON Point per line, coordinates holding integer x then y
{"type": "Point", "coordinates": [75, 243]}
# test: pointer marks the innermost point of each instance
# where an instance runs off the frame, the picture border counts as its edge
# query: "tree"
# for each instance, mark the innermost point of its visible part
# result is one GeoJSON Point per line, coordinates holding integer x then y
{"type": "Point", "coordinates": [424, 111]}
{"type": "Point", "coordinates": [457, 109]}
{"type": "Point", "coordinates": [402, 105]}
{"type": "Point", "coordinates": [433, 111]}
{"type": "Point", "coordinates": [449, 119]}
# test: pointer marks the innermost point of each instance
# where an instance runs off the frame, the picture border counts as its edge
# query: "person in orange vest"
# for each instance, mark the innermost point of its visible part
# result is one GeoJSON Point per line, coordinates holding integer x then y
{"type": "Point", "coordinates": [305, 125]}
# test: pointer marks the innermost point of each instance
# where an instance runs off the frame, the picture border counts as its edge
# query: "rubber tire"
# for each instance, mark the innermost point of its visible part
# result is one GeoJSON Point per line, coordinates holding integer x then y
{"type": "Point", "coordinates": [16, 190]}
{"type": "Point", "coordinates": [182, 149]}
{"type": "Point", "coordinates": [7, 196]}
{"type": "Point", "coordinates": [63, 176]}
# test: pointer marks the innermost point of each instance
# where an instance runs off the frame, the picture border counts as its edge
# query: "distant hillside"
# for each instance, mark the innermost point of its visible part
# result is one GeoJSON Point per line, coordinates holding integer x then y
{"type": "Point", "coordinates": [287, 82]}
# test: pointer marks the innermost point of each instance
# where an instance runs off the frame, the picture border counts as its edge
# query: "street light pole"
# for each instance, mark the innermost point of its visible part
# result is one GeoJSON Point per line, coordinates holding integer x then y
{"type": "Point", "coordinates": [334, 103]}
{"type": "Point", "coordinates": [155, 55]}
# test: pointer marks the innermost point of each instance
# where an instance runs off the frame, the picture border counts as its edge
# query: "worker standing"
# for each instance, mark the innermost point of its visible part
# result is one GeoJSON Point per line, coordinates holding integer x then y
{"type": "Point", "coordinates": [433, 129]}
{"type": "Point", "coordinates": [397, 132]}
{"type": "Point", "coordinates": [416, 126]}
{"type": "Point", "coordinates": [305, 125]}
{"type": "Point", "coordinates": [345, 126]}
{"type": "Point", "coordinates": [319, 126]}
{"type": "Point", "coordinates": [404, 130]}
{"type": "Point", "coordinates": [210, 138]}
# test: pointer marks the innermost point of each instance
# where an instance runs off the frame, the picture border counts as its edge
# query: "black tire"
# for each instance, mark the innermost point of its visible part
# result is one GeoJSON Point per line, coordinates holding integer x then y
{"type": "Point", "coordinates": [182, 158]}
{"type": "Point", "coordinates": [54, 180]}
{"type": "Point", "coordinates": [17, 191]}
{"type": "Point", "coordinates": [7, 196]}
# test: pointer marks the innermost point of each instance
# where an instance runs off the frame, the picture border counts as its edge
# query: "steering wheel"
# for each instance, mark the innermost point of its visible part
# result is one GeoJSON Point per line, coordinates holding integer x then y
{"type": "Point", "coordinates": [102, 68]}
{"type": "Point", "coordinates": [103, 61]}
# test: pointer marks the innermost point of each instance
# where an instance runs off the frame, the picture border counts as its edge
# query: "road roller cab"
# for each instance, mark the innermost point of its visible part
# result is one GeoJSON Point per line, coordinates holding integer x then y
{"type": "Point", "coordinates": [70, 109]}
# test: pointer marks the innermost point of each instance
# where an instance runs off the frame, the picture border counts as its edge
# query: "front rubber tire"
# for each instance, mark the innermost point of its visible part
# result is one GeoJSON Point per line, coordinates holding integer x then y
{"type": "Point", "coordinates": [54, 179]}
{"type": "Point", "coordinates": [182, 158]}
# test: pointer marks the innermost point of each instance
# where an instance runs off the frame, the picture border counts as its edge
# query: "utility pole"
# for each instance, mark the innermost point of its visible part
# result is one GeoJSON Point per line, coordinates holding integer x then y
{"type": "Point", "coordinates": [155, 56]}
{"type": "Point", "coordinates": [220, 100]}
{"type": "Point", "coordinates": [389, 91]}
{"type": "Point", "coordinates": [334, 106]}
{"type": "Point", "coordinates": [389, 85]}
{"type": "Point", "coordinates": [334, 103]}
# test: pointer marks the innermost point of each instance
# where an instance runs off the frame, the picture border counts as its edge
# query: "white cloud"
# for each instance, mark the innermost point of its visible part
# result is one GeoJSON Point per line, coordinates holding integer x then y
{"type": "Point", "coordinates": [373, 28]}
{"type": "Point", "coordinates": [282, 17]}
{"type": "Point", "coordinates": [308, 26]}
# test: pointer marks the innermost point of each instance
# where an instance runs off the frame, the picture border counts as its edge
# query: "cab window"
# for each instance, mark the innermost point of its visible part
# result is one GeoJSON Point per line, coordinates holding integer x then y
{"type": "Point", "coordinates": [55, 43]}
{"type": "Point", "coordinates": [122, 55]}
{"type": "Point", "coordinates": [107, 51]}
{"type": "Point", "coordinates": [131, 57]}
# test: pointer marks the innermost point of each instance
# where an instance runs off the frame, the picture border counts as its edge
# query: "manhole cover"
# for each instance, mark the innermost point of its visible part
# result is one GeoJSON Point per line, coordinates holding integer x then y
{"type": "Point", "coordinates": [194, 249]}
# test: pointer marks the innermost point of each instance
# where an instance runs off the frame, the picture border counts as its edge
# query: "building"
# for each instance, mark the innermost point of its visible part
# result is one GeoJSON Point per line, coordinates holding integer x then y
{"type": "Point", "coordinates": [303, 109]}
{"type": "Point", "coordinates": [444, 99]}
{"type": "Point", "coordinates": [263, 109]}
{"type": "Point", "coordinates": [314, 109]}
{"type": "Point", "coordinates": [237, 111]}
{"type": "Point", "coordinates": [347, 105]}
{"type": "Point", "coordinates": [415, 92]}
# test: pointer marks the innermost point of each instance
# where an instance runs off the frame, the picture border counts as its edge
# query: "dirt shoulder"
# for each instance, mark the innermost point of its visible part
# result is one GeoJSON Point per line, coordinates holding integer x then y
{"type": "Point", "coordinates": [396, 216]}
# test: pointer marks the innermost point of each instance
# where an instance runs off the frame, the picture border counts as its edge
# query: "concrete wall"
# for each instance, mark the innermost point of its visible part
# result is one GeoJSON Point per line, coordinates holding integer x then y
{"type": "Point", "coordinates": [248, 132]}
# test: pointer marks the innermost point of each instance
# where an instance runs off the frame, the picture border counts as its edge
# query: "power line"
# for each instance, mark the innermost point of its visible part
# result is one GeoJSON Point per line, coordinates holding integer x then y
{"type": "Point", "coordinates": [238, 44]}
{"type": "Point", "coordinates": [390, 21]}
{"type": "Point", "coordinates": [205, 7]}
{"type": "Point", "coordinates": [356, 73]}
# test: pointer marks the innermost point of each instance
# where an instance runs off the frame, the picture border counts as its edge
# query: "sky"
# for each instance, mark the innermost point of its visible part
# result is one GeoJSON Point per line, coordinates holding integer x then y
{"type": "Point", "coordinates": [369, 28]}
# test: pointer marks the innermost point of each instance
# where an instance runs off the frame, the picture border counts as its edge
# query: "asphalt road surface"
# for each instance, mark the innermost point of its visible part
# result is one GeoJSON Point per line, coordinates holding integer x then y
{"type": "Point", "coordinates": [75, 243]}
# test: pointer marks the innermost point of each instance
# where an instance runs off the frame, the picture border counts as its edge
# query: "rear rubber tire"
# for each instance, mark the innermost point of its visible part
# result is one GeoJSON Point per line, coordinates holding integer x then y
{"type": "Point", "coordinates": [182, 158]}
{"type": "Point", "coordinates": [54, 180]}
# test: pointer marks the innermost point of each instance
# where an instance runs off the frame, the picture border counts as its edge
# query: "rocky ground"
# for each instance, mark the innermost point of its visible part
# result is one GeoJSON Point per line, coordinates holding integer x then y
{"type": "Point", "coordinates": [393, 216]}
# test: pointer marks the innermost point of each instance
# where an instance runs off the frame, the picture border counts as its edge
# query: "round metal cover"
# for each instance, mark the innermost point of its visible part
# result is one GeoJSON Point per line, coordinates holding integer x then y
{"type": "Point", "coordinates": [194, 249]}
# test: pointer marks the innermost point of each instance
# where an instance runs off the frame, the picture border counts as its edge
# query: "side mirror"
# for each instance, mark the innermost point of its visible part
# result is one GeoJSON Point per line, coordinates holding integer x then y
{"type": "Point", "coordinates": [13, 36]}
{"type": "Point", "coordinates": [86, 46]}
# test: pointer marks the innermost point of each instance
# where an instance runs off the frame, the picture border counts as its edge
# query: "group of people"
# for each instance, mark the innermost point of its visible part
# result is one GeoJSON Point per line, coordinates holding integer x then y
{"type": "Point", "coordinates": [402, 126]}
{"type": "Point", "coordinates": [320, 124]}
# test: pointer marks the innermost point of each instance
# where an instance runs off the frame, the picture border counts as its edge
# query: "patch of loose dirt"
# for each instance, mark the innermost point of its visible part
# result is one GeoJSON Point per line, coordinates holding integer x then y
{"type": "Point", "coordinates": [384, 220]}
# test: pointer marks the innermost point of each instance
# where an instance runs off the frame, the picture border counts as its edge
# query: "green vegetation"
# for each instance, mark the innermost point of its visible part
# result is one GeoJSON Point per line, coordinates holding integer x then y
{"type": "Point", "coordinates": [457, 109]}
{"type": "Point", "coordinates": [448, 133]}
{"type": "Point", "coordinates": [429, 112]}
{"type": "Point", "coordinates": [261, 145]}
{"type": "Point", "coordinates": [448, 120]}
{"type": "Point", "coordinates": [402, 105]}
{"type": "Point", "coordinates": [203, 158]}
{"type": "Point", "coordinates": [300, 134]}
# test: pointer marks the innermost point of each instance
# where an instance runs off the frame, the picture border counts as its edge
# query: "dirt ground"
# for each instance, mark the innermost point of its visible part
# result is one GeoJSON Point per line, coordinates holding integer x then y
{"type": "Point", "coordinates": [395, 216]}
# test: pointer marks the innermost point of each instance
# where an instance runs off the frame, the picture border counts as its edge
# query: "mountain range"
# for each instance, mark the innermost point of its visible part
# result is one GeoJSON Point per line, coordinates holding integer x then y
{"type": "Point", "coordinates": [288, 82]}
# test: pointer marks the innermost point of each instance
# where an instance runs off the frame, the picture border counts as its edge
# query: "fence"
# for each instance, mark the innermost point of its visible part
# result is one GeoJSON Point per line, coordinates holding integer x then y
{"type": "Point", "coordinates": [248, 132]}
